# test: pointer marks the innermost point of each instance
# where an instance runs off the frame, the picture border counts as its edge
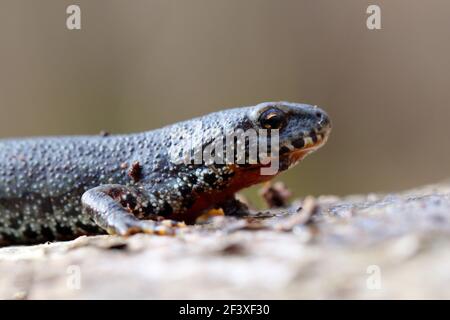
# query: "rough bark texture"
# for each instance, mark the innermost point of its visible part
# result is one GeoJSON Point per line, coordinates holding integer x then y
{"type": "Point", "coordinates": [331, 248]}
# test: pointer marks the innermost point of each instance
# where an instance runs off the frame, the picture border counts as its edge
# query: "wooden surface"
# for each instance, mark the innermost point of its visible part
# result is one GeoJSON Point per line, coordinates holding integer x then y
{"type": "Point", "coordinates": [369, 246]}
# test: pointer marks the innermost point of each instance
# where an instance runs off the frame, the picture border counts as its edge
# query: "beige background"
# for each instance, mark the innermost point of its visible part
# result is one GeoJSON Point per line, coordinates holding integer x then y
{"type": "Point", "coordinates": [137, 65]}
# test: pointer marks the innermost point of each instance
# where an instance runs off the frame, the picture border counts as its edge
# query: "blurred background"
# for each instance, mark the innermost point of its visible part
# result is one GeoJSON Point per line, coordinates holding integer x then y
{"type": "Point", "coordinates": [137, 65]}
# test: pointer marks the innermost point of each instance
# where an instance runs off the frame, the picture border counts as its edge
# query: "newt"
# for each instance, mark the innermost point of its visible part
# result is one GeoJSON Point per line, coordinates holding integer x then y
{"type": "Point", "coordinates": [59, 188]}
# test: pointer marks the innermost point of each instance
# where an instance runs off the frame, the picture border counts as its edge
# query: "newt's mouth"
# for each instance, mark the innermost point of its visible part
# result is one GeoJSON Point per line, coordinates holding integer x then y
{"type": "Point", "coordinates": [306, 143]}
{"type": "Point", "coordinates": [292, 152]}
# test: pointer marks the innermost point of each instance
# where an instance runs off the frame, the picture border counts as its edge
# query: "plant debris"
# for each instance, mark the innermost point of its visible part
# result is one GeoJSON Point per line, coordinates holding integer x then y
{"type": "Point", "coordinates": [276, 195]}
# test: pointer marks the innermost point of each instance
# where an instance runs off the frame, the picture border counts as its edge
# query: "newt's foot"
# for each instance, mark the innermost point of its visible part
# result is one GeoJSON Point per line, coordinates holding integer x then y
{"type": "Point", "coordinates": [114, 208]}
{"type": "Point", "coordinates": [163, 227]}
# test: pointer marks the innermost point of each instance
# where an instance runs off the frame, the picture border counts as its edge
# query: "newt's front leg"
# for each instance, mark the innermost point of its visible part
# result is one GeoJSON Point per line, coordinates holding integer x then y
{"type": "Point", "coordinates": [116, 209]}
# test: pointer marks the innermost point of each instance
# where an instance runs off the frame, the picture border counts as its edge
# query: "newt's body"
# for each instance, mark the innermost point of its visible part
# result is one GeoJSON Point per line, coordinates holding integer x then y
{"type": "Point", "coordinates": [63, 187]}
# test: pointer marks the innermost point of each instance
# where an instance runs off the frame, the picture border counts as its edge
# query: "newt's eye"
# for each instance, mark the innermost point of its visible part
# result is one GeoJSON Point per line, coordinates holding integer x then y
{"type": "Point", "coordinates": [272, 119]}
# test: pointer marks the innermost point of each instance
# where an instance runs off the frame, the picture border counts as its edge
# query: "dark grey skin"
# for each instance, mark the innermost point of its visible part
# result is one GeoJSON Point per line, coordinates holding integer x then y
{"type": "Point", "coordinates": [57, 188]}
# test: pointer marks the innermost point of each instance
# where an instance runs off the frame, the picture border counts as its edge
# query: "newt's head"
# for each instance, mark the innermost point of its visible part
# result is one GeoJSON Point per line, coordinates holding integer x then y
{"type": "Point", "coordinates": [302, 128]}
{"type": "Point", "coordinates": [288, 131]}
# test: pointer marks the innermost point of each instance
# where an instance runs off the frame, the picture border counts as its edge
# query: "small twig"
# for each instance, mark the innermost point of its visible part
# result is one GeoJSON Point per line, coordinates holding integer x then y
{"type": "Point", "coordinates": [303, 216]}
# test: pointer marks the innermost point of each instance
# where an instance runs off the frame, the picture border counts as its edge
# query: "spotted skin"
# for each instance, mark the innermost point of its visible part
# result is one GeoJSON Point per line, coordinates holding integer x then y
{"type": "Point", "coordinates": [57, 188]}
